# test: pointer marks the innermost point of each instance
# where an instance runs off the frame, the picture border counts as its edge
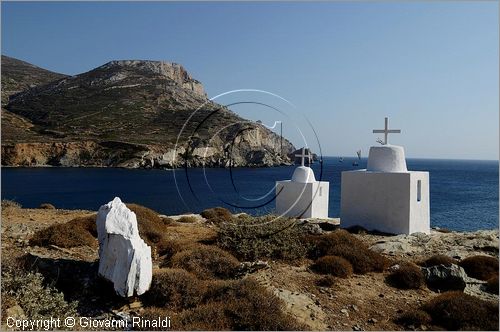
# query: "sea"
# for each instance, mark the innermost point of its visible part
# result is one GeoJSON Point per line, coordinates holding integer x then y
{"type": "Point", "coordinates": [463, 193]}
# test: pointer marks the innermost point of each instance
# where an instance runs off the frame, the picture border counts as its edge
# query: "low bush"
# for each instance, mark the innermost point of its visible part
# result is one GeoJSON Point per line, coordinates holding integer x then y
{"type": "Point", "coordinates": [343, 244]}
{"type": "Point", "coordinates": [88, 223]}
{"type": "Point", "coordinates": [38, 301]}
{"type": "Point", "coordinates": [326, 281]}
{"type": "Point", "coordinates": [492, 285]}
{"type": "Point", "coordinates": [249, 306]}
{"type": "Point", "coordinates": [207, 262]}
{"type": "Point", "coordinates": [174, 289]}
{"type": "Point", "coordinates": [217, 215]}
{"type": "Point", "coordinates": [151, 226]}
{"type": "Point", "coordinates": [10, 204]}
{"type": "Point", "coordinates": [438, 260]}
{"type": "Point", "coordinates": [408, 276]}
{"type": "Point", "coordinates": [415, 318]}
{"type": "Point", "coordinates": [80, 231]}
{"type": "Point", "coordinates": [268, 237]}
{"type": "Point", "coordinates": [187, 219]}
{"type": "Point", "coordinates": [167, 248]}
{"type": "Point", "coordinates": [480, 267]}
{"type": "Point", "coordinates": [195, 319]}
{"type": "Point", "coordinates": [47, 206]}
{"type": "Point", "coordinates": [151, 314]}
{"type": "Point", "coordinates": [333, 265]}
{"type": "Point", "coordinates": [458, 311]}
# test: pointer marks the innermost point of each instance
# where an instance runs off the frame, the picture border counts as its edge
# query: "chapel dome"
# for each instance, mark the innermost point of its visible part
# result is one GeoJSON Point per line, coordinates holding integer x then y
{"type": "Point", "coordinates": [303, 174]}
{"type": "Point", "coordinates": [387, 158]}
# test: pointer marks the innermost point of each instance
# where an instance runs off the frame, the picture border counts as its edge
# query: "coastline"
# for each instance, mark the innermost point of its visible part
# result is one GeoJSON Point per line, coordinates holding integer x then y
{"type": "Point", "coordinates": [319, 308]}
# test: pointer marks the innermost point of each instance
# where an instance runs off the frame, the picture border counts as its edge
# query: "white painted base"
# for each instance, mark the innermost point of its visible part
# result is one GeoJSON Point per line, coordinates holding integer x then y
{"type": "Point", "coordinates": [302, 200]}
{"type": "Point", "coordinates": [387, 202]}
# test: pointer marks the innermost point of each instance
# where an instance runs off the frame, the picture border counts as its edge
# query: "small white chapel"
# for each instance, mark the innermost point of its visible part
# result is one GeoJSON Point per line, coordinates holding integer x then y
{"type": "Point", "coordinates": [385, 196]}
{"type": "Point", "coordinates": [302, 197]}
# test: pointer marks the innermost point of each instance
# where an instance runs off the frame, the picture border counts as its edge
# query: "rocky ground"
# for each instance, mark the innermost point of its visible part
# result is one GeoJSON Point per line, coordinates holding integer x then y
{"type": "Point", "coordinates": [361, 302]}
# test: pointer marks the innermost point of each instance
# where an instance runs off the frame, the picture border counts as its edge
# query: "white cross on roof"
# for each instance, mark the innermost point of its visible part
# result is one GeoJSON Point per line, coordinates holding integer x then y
{"type": "Point", "coordinates": [386, 130]}
{"type": "Point", "coordinates": [304, 155]}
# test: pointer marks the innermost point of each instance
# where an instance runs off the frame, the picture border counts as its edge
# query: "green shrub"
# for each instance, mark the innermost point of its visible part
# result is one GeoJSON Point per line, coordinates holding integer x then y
{"type": "Point", "coordinates": [38, 301]}
{"type": "Point", "coordinates": [80, 231]}
{"type": "Point", "coordinates": [47, 206]}
{"type": "Point", "coordinates": [187, 219]}
{"type": "Point", "coordinates": [458, 311]}
{"type": "Point", "coordinates": [174, 289]}
{"type": "Point", "coordinates": [480, 267]}
{"type": "Point", "coordinates": [438, 260]}
{"type": "Point", "coordinates": [333, 265]}
{"type": "Point", "coordinates": [492, 285]}
{"type": "Point", "coordinates": [266, 237]}
{"type": "Point", "coordinates": [207, 262]}
{"type": "Point", "coordinates": [415, 318]}
{"type": "Point", "coordinates": [217, 215]}
{"type": "Point", "coordinates": [408, 276]}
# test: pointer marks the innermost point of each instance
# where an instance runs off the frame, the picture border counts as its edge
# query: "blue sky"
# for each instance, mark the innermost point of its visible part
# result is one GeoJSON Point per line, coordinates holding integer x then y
{"type": "Point", "coordinates": [431, 67]}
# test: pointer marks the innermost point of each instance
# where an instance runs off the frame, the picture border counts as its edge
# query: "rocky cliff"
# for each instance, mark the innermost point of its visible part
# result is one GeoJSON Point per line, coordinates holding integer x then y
{"type": "Point", "coordinates": [127, 113]}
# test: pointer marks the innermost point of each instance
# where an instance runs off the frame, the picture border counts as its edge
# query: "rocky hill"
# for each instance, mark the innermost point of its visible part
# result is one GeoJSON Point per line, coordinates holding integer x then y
{"type": "Point", "coordinates": [129, 114]}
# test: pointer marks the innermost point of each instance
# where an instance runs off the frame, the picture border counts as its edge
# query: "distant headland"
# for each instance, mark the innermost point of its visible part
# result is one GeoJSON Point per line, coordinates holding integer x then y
{"type": "Point", "coordinates": [126, 113]}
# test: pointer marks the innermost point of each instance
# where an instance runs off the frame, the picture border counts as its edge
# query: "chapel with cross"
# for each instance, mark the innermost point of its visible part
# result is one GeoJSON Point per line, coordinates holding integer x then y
{"type": "Point", "coordinates": [303, 197]}
{"type": "Point", "coordinates": [385, 196]}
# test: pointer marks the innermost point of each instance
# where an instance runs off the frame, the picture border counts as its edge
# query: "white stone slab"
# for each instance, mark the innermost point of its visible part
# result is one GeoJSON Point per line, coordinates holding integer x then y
{"type": "Point", "coordinates": [124, 258]}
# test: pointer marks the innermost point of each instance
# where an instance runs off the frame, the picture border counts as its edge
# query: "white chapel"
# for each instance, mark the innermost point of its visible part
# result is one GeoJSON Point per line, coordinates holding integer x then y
{"type": "Point", "coordinates": [302, 196]}
{"type": "Point", "coordinates": [386, 196]}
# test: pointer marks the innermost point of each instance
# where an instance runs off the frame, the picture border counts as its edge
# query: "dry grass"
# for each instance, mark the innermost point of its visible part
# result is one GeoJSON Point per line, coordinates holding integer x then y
{"type": "Point", "coordinates": [480, 267]}
{"type": "Point", "coordinates": [414, 318]}
{"type": "Point", "coordinates": [80, 231]}
{"type": "Point", "coordinates": [175, 289]}
{"type": "Point", "coordinates": [47, 206]}
{"type": "Point", "coordinates": [333, 265]}
{"type": "Point", "coordinates": [152, 313]}
{"type": "Point", "coordinates": [217, 215]}
{"type": "Point", "coordinates": [326, 281]}
{"type": "Point", "coordinates": [438, 260]}
{"type": "Point", "coordinates": [151, 226]}
{"type": "Point", "coordinates": [459, 311]}
{"type": "Point", "coordinates": [196, 319]}
{"type": "Point", "coordinates": [250, 306]}
{"type": "Point", "coordinates": [197, 304]}
{"type": "Point", "coordinates": [408, 276]}
{"type": "Point", "coordinates": [251, 238]}
{"type": "Point", "coordinates": [10, 204]}
{"type": "Point", "coordinates": [492, 285]}
{"type": "Point", "coordinates": [207, 262]}
{"type": "Point", "coordinates": [187, 219]}
{"type": "Point", "coordinates": [342, 243]}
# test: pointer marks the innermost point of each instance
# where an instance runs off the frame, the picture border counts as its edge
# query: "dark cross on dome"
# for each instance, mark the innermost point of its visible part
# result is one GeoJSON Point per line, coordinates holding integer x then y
{"type": "Point", "coordinates": [386, 131]}
{"type": "Point", "coordinates": [304, 155]}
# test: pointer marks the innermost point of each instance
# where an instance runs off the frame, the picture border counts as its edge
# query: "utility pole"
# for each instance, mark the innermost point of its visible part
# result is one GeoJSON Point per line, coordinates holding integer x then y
{"type": "Point", "coordinates": [281, 138]}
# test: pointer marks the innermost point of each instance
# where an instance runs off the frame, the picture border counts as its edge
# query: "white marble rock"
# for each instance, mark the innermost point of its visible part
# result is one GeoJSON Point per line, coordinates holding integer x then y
{"type": "Point", "coordinates": [124, 258]}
